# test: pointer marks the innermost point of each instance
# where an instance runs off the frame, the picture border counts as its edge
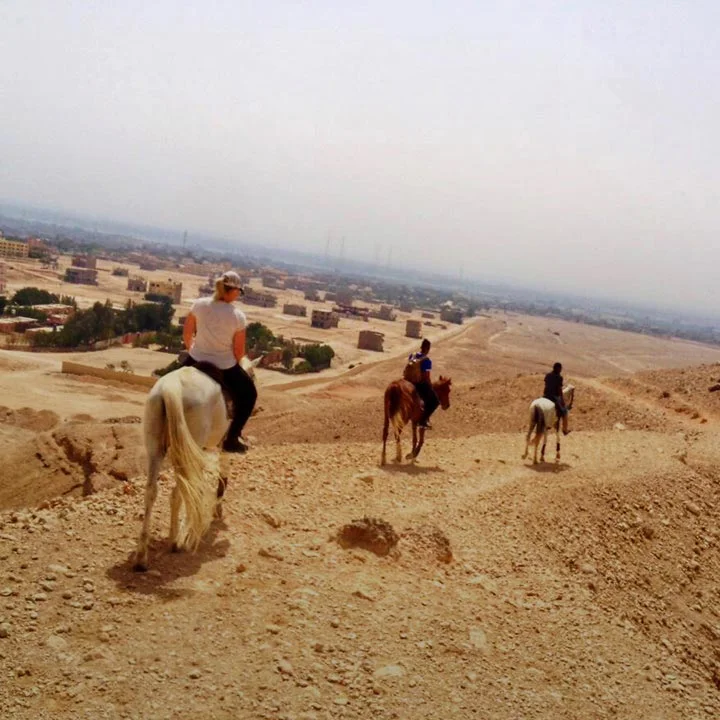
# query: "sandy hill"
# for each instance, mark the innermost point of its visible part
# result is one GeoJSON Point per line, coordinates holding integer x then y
{"type": "Point", "coordinates": [585, 588]}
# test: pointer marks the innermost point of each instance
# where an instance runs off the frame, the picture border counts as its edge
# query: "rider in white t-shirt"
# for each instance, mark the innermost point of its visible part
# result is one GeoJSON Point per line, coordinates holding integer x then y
{"type": "Point", "coordinates": [214, 332]}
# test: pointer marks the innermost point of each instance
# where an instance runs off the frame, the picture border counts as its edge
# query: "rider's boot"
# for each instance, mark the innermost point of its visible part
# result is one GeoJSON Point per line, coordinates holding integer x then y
{"type": "Point", "coordinates": [232, 442]}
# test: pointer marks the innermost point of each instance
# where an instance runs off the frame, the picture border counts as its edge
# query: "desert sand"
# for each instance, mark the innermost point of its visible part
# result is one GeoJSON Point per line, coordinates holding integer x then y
{"type": "Point", "coordinates": [584, 588]}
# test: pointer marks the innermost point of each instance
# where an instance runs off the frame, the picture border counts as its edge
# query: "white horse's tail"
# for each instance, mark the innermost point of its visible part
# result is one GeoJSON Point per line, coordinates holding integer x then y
{"type": "Point", "coordinates": [190, 462]}
{"type": "Point", "coordinates": [538, 420]}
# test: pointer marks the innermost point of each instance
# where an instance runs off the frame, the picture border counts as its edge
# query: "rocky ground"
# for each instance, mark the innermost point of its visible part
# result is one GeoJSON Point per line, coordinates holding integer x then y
{"type": "Point", "coordinates": [471, 584]}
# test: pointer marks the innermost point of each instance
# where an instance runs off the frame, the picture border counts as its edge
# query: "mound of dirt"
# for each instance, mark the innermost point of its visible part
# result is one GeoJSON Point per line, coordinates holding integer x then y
{"type": "Point", "coordinates": [649, 547]}
{"type": "Point", "coordinates": [371, 534]}
{"type": "Point", "coordinates": [427, 541]}
{"type": "Point", "coordinates": [29, 419]}
{"type": "Point", "coordinates": [75, 458]}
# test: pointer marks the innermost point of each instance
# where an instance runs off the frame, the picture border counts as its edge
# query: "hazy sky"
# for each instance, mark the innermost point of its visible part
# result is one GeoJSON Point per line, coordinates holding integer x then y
{"type": "Point", "coordinates": [567, 144]}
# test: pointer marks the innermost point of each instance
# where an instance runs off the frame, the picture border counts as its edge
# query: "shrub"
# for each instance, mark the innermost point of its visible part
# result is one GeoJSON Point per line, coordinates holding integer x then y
{"type": "Point", "coordinates": [318, 356]}
{"type": "Point", "coordinates": [34, 296]}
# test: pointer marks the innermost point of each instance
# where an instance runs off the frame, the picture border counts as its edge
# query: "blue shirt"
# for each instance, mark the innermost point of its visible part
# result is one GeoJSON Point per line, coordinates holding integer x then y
{"type": "Point", "coordinates": [425, 364]}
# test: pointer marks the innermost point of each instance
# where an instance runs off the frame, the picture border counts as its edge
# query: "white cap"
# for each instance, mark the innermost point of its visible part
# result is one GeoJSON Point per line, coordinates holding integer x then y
{"type": "Point", "coordinates": [231, 279]}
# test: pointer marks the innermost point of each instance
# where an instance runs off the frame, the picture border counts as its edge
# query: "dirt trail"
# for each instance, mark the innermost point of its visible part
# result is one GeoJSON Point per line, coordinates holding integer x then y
{"type": "Point", "coordinates": [646, 396]}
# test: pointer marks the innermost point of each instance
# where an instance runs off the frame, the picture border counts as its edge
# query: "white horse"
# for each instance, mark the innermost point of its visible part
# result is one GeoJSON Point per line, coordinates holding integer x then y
{"type": "Point", "coordinates": [185, 412]}
{"type": "Point", "coordinates": [543, 418]}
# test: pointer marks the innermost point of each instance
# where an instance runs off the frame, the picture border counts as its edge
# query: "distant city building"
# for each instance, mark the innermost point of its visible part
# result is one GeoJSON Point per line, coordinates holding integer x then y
{"type": "Point", "coordinates": [293, 309]}
{"type": "Point", "coordinates": [84, 261]}
{"type": "Point", "coordinates": [429, 315]}
{"type": "Point", "coordinates": [352, 311]}
{"type": "Point", "coordinates": [137, 284]}
{"type": "Point", "coordinates": [386, 312]}
{"type": "Point", "coordinates": [149, 263]}
{"type": "Point", "coordinates": [168, 288]}
{"type": "Point", "coordinates": [37, 246]}
{"type": "Point", "coordinates": [3, 277]}
{"type": "Point", "coordinates": [344, 297]}
{"type": "Point", "coordinates": [81, 276]}
{"type": "Point", "coordinates": [324, 319]}
{"type": "Point", "coordinates": [272, 281]}
{"type": "Point", "coordinates": [312, 295]}
{"type": "Point", "coordinates": [405, 307]}
{"type": "Point", "coordinates": [413, 328]}
{"type": "Point", "coordinates": [13, 248]}
{"type": "Point", "coordinates": [259, 298]}
{"type": "Point", "coordinates": [452, 315]}
{"type": "Point", "coordinates": [17, 324]}
{"type": "Point", "coordinates": [208, 288]}
{"type": "Point", "coordinates": [120, 272]}
{"type": "Point", "coordinates": [55, 313]}
{"type": "Point", "coordinates": [371, 340]}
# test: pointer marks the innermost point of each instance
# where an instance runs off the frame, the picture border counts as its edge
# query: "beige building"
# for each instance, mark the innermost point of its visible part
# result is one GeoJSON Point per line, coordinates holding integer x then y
{"type": "Point", "coordinates": [137, 284]}
{"type": "Point", "coordinates": [386, 312]}
{"type": "Point", "coordinates": [84, 261]}
{"type": "Point", "coordinates": [3, 277]}
{"type": "Point", "coordinates": [16, 324]}
{"type": "Point", "coordinates": [13, 248]}
{"type": "Point", "coordinates": [259, 298]}
{"type": "Point", "coordinates": [293, 309]}
{"type": "Point", "coordinates": [324, 319]}
{"type": "Point", "coordinates": [81, 276]}
{"type": "Point", "coordinates": [168, 288]}
{"type": "Point", "coordinates": [452, 315]}
{"type": "Point", "coordinates": [371, 340]}
{"type": "Point", "coordinates": [413, 328]}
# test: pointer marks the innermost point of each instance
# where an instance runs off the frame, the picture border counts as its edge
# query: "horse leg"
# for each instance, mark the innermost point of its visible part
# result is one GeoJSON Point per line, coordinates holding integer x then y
{"type": "Point", "coordinates": [413, 453]}
{"type": "Point", "coordinates": [175, 503]}
{"type": "Point", "coordinates": [544, 445]}
{"type": "Point", "coordinates": [527, 439]}
{"type": "Point", "coordinates": [421, 442]}
{"type": "Point", "coordinates": [557, 445]}
{"type": "Point", "coordinates": [222, 486]}
{"type": "Point", "coordinates": [398, 451]}
{"type": "Point", "coordinates": [386, 425]}
{"type": "Point", "coordinates": [141, 556]}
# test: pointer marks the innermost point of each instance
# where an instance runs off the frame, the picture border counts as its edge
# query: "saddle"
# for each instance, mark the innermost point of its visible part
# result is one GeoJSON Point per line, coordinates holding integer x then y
{"type": "Point", "coordinates": [216, 374]}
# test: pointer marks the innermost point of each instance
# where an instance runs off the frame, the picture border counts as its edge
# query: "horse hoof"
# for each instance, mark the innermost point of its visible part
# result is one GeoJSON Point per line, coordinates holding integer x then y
{"type": "Point", "coordinates": [175, 548]}
{"type": "Point", "coordinates": [140, 567]}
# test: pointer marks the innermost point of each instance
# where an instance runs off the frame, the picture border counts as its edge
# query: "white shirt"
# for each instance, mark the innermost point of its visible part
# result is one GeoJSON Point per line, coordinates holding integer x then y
{"type": "Point", "coordinates": [217, 323]}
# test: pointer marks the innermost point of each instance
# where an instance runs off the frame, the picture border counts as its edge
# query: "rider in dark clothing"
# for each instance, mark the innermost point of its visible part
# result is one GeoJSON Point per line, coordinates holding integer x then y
{"type": "Point", "coordinates": [554, 391]}
{"type": "Point", "coordinates": [424, 387]}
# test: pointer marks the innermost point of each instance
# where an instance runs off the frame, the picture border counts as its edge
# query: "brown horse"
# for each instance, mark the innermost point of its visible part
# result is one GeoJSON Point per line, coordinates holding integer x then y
{"type": "Point", "coordinates": [403, 405]}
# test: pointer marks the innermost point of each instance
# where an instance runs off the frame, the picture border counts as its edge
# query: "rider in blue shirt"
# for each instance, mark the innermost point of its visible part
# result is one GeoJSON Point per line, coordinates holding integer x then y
{"type": "Point", "coordinates": [424, 387]}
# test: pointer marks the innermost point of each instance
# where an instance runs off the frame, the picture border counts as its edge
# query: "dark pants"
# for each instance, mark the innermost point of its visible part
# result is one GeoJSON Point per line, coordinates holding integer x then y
{"type": "Point", "coordinates": [429, 398]}
{"type": "Point", "coordinates": [559, 405]}
{"type": "Point", "coordinates": [243, 392]}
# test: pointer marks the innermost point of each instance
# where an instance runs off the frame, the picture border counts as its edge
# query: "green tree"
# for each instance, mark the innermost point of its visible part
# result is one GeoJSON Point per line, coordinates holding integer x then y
{"type": "Point", "coordinates": [34, 296]}
{"type": "Point", "coordinates": [318, 356]}
{"type": "Point", "coordinates": [287, 357]}
{"type": "Point", "coordinates": [259, 338]}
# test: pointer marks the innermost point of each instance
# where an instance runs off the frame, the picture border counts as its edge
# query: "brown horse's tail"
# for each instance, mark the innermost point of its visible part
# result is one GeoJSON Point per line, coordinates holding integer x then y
{"type": "Point", "coordinates": [393, 401]}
